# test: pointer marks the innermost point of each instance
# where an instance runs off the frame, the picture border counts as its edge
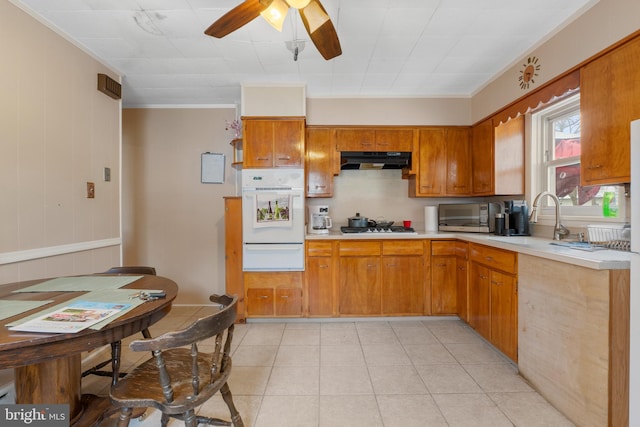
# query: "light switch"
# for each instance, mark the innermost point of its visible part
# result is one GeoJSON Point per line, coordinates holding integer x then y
{"type": "Point", "coordinates": [107, 174]}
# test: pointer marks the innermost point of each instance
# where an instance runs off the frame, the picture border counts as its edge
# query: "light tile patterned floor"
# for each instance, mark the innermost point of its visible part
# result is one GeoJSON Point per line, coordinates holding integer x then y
{"type": "Point", "coordinates": [432, 372]}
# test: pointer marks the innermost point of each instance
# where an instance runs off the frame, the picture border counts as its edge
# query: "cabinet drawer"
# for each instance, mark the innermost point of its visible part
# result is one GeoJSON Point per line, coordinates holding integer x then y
{"type": "Point", "coordinates": [462, 249]}
{"type": "Point", "coordinates": [319, 248]}
{"type": "Point", "coordinates": [443, 247]}
{"type": "Point", "coordinates": [289, 279]}
{"type": "Point", "coordinates": [403, 247]}
{"type": "Point", "coordinates": [494, 258]}
{"type": "Point", "coordinates": [260, 302]}
{"type": "Point", "coordinates": [357, 248]}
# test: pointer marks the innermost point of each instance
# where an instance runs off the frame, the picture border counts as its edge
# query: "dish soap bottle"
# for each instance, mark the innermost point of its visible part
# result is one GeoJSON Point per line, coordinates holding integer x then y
{"type": "Point", "coordinates": [609, 203]}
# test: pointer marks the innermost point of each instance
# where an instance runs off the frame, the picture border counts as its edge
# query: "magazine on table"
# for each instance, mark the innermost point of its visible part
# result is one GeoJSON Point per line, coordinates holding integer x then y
{"type": "Point", "coordinates": [74, 317]}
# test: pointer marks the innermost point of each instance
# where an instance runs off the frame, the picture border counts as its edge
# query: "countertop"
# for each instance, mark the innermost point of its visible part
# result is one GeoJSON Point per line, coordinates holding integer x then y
{"type": "Point", "coordinates": [535, 246]}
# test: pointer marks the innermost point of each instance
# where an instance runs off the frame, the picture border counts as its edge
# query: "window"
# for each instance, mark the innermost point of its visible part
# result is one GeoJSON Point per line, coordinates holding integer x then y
{"type": "Point", "coordinates": [555, 168]}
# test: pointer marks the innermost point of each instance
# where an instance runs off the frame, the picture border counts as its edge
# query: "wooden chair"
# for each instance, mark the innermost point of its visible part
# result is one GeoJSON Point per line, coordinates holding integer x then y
{"type": "Point", "coordinates": [115, 373]}
{"type": "Point", "coordinates": [177, 380]}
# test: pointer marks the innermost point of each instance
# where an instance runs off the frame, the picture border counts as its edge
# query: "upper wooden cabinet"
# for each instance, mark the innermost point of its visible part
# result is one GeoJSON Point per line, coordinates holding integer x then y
{"type": "Point", "coordinates": [273, 142]}
{"type": "Point", "coordinates": [609, 94]}
{"type": "Point", "coordinates": [497, 154]}
{"type": "Point", "coordinates": [444, 163]}
{"type": "Point", "coordinates": [320, 162]}
{"type": "Point", "coordinates": [374, 139]}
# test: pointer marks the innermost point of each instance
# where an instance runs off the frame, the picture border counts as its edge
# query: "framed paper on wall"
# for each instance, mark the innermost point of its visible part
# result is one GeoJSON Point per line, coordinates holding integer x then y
{"type": "Point", "coordinates": [212, 168]}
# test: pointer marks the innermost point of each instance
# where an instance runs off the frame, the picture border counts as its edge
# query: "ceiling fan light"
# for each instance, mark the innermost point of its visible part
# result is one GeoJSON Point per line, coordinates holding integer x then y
{"type": "Point", "coordinates": [275, 13]}
{"type": "Point", "coordinates": [298, 4]}
{"type": "Point", "coordinates": [316, 16]}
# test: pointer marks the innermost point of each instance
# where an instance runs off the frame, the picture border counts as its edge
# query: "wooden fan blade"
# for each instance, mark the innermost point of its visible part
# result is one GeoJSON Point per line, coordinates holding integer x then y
{"type": "Point", "coordinates": [237, 17]}
{"type": "Point", "coordinates": [321, 30]}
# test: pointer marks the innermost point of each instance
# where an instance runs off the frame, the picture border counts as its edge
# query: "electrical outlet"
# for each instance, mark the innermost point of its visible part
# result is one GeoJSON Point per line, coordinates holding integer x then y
{"type": "Point", "coordinates": [107, 174]}
{"type": "Point", "coordinates": [91, 190]}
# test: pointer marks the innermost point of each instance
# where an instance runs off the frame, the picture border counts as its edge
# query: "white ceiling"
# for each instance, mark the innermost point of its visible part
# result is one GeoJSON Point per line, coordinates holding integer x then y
{"type": "Point", "coordinates": [390, 48]}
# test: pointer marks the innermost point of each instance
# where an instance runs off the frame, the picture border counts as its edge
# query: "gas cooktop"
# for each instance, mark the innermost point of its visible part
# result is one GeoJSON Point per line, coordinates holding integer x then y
{"type": "Point", "coordinates": [394, 229]}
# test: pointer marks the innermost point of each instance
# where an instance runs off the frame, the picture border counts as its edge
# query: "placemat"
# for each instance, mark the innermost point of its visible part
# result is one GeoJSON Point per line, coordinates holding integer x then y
{"type": "Point", "coordinates": [10, 308]}
{"type": "Point", "coordinates": [81, 283]}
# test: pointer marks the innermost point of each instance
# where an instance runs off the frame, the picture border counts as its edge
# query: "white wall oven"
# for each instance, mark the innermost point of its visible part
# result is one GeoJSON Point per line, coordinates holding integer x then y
{"type": "Point", "coordinates": [273, 219]}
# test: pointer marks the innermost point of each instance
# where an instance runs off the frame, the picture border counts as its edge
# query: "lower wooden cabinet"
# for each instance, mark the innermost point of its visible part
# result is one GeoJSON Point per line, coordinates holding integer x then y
{"type": "Point", "coordinates": [271, 294]}
{"type": "Point", "coordinates": [402, 285]}
{"type": "Point", "coordinates": [359, 285]}
{"type": "Point", "coordinates": [493, 297]}
{"type": "Point", "coordinates": [444, 277]}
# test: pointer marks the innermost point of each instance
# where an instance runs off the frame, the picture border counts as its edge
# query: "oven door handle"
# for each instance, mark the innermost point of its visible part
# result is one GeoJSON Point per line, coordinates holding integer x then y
{"type": "Point", "coordinates": [267, 247]}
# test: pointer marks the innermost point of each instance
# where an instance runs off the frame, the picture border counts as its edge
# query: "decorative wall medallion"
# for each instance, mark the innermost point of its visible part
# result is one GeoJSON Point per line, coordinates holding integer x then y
{"type": "Point", "coordinates": [529, 72]}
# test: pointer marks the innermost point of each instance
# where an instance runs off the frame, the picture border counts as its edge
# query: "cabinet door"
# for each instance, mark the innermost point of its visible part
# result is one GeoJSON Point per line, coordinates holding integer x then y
{"type": "Point", "coordinates": [461, 282]}
{"type": "Point", "coordinates": [258, 143]}
{"type": "Point", "coordinates": [402, 285]}
{"type": "Point", "coordinates": [234, 283]}
{"type": "Point", "coordinates": [355, 139]}
{"type": "Point", "coordinates": [508, 167]}
{"type": "Point", "coordinates": [319, 285]}
{"type": "Point", "coordinates": [479, 299]}
{"type": "Point", "coordinates": [359, 285]}
{"type": "Point", "coordinates": [504, 325]}
{"type": "Point", "coordinates": [288, 143]}
{"type": "Point", "coordinates": [260, 302]}
{"type": "Point", "coordinates": [394, 139]}
{"type": "Point", "coordinates": [432, 166]}
{"type": "Point", "coordinates": [482, 158]}
{"type": "Point", "coordinates": [319, 158]}
{"type": "Point", "coordinates": [444, 289]}
{"type": "Point", "coordinates": [458, 162]}
{"type": "Point", "coordinates": [609, 93]}
{"type": "Point", "coordinates": [288, 302]}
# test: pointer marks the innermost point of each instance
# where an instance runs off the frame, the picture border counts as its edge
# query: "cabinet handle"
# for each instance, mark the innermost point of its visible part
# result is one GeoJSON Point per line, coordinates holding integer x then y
{"type": "Point", "coordinates": [441, 265]}
{"type": "Point", "coordinates": [324, 266]}
{"type": "Point", "coordinates": [391, 265]}
{"type": "Point", "coordinates": [371, 265]}
{"type": "Point", "coordinates": [264, 296]}
{"type": "Point", "coordinates": [483, 277]}
{"type": "Point", "coordinates": [594, 167]}
{"type": "Point", "coordinates": [321, 186]}
{"type": "Point", "coordinates": [461, 268]}
{"type": "Point", "coordinates": [284, 158]}
{"type": "Point", "coordinates": [489, 258]}
{"type": "Point", "coordinates": [262, 158]}
{"type": "Point", "coordinates": [284, 296]}
{"type": "Point", "coordinates": [493, 282]}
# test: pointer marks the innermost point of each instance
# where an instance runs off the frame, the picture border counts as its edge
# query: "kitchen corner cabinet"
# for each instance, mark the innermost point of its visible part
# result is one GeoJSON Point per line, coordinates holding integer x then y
{"type": "Point", "coordinates": [497, 154]}
{"type": "Point", "coordinates": [493, 297]}
{"type": "Point", "coordinates": [609, 93]}
{"type": "Point", "coordinates": [444, 285]}
{"type": "Point", "coordinates": [319, 279]}
{"type": "Point", "coordinates": [270, 294]}
{"type": "Point", "coordinates": [444, 163]}
{"type": "Point", "coordinates": [234, 283]}
{"type": "Point", "coordinates": [374, 139]}
{"type": "Point", "coordinates": [273, 142]}
{"type": "Point", "coordinates": [321, 158]}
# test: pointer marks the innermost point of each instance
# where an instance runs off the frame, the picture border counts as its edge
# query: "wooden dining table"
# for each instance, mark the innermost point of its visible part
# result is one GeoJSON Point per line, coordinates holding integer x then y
{"type": "Point", "coordinates": [48, 366]}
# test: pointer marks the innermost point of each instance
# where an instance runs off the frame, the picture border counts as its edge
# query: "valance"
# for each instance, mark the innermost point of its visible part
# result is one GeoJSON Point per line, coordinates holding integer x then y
{"type": "Point", "coordinates": [554, 90]}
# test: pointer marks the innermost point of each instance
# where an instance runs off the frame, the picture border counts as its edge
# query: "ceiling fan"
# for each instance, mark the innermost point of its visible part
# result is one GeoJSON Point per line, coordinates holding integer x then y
{"type": "Point", "coordinates": [314, 17]}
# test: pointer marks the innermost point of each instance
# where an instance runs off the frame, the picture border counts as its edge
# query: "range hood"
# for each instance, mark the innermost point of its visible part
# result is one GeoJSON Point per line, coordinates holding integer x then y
{"type": "Point", "coordinates": [375, 159]}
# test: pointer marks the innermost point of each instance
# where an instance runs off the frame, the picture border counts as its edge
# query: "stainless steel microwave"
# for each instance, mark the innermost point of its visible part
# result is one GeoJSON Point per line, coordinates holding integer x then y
{"type": "Point", "coordinates": [469, 217]}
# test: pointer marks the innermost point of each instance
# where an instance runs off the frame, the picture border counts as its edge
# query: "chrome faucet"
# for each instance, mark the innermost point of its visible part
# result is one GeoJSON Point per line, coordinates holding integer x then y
{"type": "Point", "coordinates": [559, 231]}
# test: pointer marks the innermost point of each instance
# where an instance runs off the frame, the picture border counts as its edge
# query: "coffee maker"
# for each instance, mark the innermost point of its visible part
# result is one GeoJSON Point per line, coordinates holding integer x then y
{"type": "Point", "coordinates": [319, 220]}
{"type": "Point", "coordinates": [516, 218]}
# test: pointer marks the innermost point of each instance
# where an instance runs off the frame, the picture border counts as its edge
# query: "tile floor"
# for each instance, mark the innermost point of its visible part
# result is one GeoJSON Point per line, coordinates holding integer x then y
{"type": "Point", "coordinates": [432, 372]}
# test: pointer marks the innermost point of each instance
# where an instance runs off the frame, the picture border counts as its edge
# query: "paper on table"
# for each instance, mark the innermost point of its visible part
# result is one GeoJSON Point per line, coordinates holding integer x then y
{"type": "Point", "coordinates": [10, 308]}
{"type": "Point", "coordinates": [127, 296]}
{"type": "Point", "coordinates": [81, 284]}
{"type": "Point", "coordinates": [73, 317]}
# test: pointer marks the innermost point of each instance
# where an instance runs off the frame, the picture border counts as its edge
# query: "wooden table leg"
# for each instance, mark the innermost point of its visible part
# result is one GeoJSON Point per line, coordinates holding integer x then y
{"type": "Point", "coordinates": [55, 381]}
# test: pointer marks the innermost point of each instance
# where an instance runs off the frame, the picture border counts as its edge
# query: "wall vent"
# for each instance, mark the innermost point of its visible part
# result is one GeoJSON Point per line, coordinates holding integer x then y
{"type": "Point", "coordinates": [109, 86]}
